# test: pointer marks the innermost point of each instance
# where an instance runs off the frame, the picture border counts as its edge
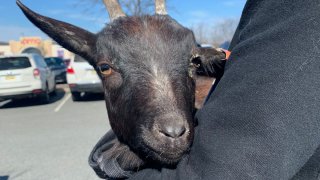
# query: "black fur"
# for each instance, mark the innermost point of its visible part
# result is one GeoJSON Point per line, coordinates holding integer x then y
{"type": "Point", "coordinates": [134, 47]}
{"type": "Point", "coordinates": [150, 84]}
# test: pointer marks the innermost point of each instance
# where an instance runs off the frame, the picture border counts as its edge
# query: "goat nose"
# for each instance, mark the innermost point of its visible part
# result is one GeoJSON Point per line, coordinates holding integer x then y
{"type": "Point", "coordinates": [173, 131]}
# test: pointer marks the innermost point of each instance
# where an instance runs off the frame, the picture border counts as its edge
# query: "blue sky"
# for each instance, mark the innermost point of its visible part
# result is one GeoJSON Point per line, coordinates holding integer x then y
{"type": "Point", "coordinates": [14, 24]}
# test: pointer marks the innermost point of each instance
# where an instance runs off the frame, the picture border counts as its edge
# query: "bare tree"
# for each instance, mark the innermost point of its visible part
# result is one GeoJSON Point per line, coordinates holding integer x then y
{"type": "Point", "coordinates": [130, 7]}
{"type": "Point", "coordinates": [223, 31]}
{"type": "Point", "coordinates": [200, 31]}
{"type": "Point", "coordinates": [137, 7]}
{"type": "Point", "coordinates": [215, 34]}
{"type": "Point", "coordinates": [205, 33]}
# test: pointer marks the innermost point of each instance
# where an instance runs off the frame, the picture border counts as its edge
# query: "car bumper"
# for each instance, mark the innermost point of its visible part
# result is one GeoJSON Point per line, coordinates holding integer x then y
{"type": "Point", "coordinates": [94, 88]}
{"type": "Point", "coordinates": [10, 91]}
{"type": "Point", "coordinates": [61, 77]}
{"type": "Point", "coordinates": [20, 95]}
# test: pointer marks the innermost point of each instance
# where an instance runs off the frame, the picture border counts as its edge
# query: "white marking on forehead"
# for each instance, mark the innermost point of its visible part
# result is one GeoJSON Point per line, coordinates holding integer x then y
{"type": "Point", "coordinates": [161, 83]}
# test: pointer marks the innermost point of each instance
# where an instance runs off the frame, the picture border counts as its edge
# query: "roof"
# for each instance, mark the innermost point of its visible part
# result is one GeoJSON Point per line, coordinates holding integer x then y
{"type": "Point", "coordinates": [3, 43]}
{"type": "Point", "coordinates": [19, 55]}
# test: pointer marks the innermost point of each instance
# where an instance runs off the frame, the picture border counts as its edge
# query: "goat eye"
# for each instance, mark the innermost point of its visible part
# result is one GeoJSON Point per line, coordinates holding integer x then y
{"type": "Point", "coordinates": [105, 69]}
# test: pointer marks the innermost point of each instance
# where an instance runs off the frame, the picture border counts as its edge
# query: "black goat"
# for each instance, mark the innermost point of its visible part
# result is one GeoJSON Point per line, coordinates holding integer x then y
{"type": "Point", "coordinates": [147, 65]}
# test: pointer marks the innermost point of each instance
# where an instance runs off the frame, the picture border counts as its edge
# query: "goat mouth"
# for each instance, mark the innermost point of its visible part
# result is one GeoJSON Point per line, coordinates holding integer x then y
{"type": "Point", "coordinates": [173, 159]}
{"type": "Point", "coordinates": [165, 151]}
{"type": "Point", "coordinates": [165, 156]}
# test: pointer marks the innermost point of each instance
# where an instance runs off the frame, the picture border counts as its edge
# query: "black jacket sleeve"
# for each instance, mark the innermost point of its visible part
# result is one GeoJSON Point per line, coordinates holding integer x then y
{"type": "Point", "coordinates": [105, 165]}
{"type": "Point", "coordinates": [262, 121]}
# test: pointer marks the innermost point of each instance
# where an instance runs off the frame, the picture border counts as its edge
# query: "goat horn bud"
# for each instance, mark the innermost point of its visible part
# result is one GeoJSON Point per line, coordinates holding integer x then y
{"type": "Point", "coordinates": [114, 9]}
{"type": "Point", "coordinates": [161, 7]}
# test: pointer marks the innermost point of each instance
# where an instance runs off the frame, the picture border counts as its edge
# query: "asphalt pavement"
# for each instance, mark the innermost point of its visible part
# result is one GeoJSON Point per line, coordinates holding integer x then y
{"type": "Point", "coordinates": [53, 141]}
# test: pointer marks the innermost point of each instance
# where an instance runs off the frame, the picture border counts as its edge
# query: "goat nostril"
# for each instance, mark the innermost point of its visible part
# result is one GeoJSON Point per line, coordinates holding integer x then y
{"type": "Point", "coordinates": [173, 131]}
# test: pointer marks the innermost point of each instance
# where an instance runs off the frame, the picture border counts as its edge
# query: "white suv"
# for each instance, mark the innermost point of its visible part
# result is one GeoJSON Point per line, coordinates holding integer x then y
{"type": "Point", "coordinates": [82, 78]}
{"type": "Point", "coordinates": [25, 75]}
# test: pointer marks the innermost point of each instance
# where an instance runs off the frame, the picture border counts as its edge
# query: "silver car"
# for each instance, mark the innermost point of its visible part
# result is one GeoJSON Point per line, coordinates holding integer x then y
{"type": "Point", "coordinates": [25, 75]}
{"type": "Point", "coordinates": [58, 67]}
{"type": "Point", "coordinates": [82, 78]}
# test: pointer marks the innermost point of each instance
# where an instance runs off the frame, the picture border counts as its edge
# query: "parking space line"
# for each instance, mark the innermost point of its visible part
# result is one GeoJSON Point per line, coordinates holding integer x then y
{"type": "Point", "coordinates": [5, 102]}
{"type": "Point", "coordinates": [65, 99]}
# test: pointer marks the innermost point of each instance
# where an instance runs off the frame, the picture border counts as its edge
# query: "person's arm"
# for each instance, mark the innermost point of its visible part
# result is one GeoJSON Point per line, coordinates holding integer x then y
{"type": "Point", "coordinates": [262, 120]}
{"type": "Point", "coordinates": [111, 159]}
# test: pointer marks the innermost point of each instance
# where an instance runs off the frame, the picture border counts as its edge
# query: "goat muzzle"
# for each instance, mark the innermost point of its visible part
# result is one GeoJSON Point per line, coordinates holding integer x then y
{"type": "Point", "coordinates": [169, 138]}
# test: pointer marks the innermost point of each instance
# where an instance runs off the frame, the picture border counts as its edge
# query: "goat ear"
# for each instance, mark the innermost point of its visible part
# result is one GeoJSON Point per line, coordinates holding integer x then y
{"type": "Point", "coordinates": [209, 61]}
{"type": "Point", "coordinates": [70, 37]}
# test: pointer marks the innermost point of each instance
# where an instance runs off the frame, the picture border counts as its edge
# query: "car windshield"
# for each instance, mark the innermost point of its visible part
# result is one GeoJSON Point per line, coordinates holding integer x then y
{"type": "Point", "coordinates": [49, 61]}
{"type": "Point", "coordinates": [54, 61]}
{"type": "Point", "coordinates": [14, 63]}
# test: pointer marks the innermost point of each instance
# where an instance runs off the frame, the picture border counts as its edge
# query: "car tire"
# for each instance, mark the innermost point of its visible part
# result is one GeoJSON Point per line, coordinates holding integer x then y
{"type": "Point", "coordinates": [45, 96]}
{"type": "Point", "coordinates": [54, 91]}
{"type": "Point", "coordinates": [76, 96]}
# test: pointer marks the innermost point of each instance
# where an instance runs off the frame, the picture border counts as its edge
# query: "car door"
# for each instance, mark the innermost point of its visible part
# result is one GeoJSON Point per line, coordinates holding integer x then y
{"type": "Point", "coordinates": [60, 65]}
{"type": "Point", "coordinates": [45, 73]}
{"type": "Point", "coordinates": [51, 64]}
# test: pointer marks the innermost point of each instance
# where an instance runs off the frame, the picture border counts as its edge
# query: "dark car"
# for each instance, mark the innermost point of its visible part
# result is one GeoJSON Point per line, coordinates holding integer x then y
{"type": "Point", "coordinates": [58, 67]}
{"type": "Point", "coordinates": [225, 45]}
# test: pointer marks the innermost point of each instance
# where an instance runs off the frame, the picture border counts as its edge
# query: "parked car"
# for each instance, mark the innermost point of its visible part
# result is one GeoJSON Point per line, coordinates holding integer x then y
{"type": "Point", "coordinates": [25, 75]}
{"type": "Point", "coordinates": [82, 78]}
{"type": "Point", "coordinates": [225, 45]}
{"type": "Point", "coordinates": [58, 67]}
{"type": "Point", "coordinates": [204, 45]}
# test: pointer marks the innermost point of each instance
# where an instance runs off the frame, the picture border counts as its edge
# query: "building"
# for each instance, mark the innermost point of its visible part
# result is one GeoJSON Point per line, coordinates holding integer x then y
{"type": "Point", "coordinates": [5, 48]}
{"type": "Point", "coordinates": [46, 48]}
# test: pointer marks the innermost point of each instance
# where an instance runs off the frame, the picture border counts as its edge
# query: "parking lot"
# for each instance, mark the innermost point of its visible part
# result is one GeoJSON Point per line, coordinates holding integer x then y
{"type": "Point", "coordinates": [50, 141]}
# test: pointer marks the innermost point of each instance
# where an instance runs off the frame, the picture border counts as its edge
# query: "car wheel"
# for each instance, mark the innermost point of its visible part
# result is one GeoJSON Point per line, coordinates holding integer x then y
{"type": "Point", "coordinates": [76, 96]}
{"type": "Point", "coordinates": [45, 97]}
{"type": "Point", "coordinates": [54, 91]}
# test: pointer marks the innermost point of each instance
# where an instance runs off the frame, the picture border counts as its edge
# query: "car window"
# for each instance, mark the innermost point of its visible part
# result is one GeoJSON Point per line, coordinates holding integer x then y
{"type": "Point", "coordinates": [14, 63]}
{"type": "Point", "coordinates": [54, 61]}
{"type": "Point", "coordinates": [59, 61]}
{"type": "Point", "coordinates": [40, 61]}
{"type": "Point", "coordinates": [49, 61]}
{"type": "Point", "coordinates": [79, 59]}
